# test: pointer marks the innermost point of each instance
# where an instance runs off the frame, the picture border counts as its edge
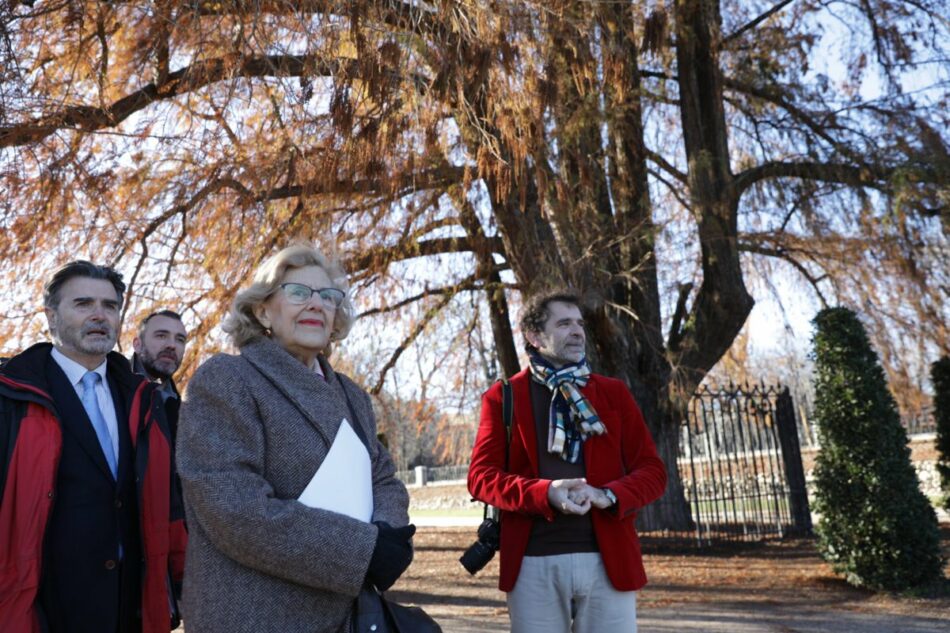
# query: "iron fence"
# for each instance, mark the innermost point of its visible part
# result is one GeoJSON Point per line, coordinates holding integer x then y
{"type": "Point", "coordinates": [915, 423]}
{"type": "Point", "coordinates": [433, 474]}
{"type": "Point", "coordinates": [407, 477]}
{"type": "Point", "coordinates": [920, 422]}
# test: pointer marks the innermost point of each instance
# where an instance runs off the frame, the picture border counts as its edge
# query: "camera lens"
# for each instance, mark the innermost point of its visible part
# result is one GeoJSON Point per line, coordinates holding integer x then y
{"type": "Point", "coordinates": [483, 550]}
{"type": "Point", "coordinates": [476, 557]}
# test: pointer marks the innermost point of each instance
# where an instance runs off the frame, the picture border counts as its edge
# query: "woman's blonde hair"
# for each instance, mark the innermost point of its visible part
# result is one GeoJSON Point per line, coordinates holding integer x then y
{"type": "Point", "coordinates": [242, 325]}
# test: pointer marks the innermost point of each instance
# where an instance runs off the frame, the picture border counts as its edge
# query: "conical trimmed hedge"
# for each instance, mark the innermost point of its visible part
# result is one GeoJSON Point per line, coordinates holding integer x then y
{"type": "Point", "coordinates": [876, 527]}
{"type": "Point", "coordinates": [940, 379]}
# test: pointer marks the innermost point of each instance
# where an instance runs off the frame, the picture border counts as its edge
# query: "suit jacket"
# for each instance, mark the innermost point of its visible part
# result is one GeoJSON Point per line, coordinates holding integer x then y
{"type": "Point", "coordinates": [253, 430]}
{"type": "Point", "coordinates": [623, 459]}
{"type": "Point", "coordinates": [84, 587]}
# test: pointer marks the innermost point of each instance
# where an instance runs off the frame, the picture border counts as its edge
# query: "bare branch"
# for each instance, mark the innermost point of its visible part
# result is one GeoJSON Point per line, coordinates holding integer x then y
{"type": "Point", "coordinates": [471, 284]}
{"type": "Point", "coordinates": [775, 96]}
{"type": "Point", "coordinates": [755, 22]}
{"type": "Point", "coordinates": [667, 166]}
{"type": "Point", "coordinates": [785, 255]}
{"type": "Point", "coordinates": [671, 186]}
{"type": "Point", "coordinates": [412, 248]}
{"type": "Point", "coordinates": [846, 174]}
{"type": "Point", "coordinates": [430, 314]}
{"type": "Point", "coordinates": [676, 334]}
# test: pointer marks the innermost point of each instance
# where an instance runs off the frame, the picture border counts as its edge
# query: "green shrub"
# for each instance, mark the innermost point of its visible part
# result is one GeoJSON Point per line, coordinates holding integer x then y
{"type": "Point", "coordinates": [876, 527]}
{"type": "Point", "coordinates": [940, 378]}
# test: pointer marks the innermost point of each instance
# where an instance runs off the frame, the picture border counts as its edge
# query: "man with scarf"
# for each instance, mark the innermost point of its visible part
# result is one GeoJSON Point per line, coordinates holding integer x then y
{"type": "Point", "coordinates": [579, 465]}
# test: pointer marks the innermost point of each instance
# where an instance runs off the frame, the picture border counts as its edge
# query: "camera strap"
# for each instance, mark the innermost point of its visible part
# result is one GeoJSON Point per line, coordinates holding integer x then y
{"type": "Point", "coordinates": [507, 409]}
{"type": "Point", "coordinates": [507, 405]}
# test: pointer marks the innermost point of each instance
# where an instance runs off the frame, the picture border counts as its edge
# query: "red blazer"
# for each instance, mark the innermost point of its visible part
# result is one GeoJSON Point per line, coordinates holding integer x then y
{"type": "Point", "coordinates": [624, 460]}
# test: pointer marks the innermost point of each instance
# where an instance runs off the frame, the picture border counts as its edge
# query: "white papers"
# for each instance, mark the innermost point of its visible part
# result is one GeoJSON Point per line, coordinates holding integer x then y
{"type": "Point", "coordinates": [344, 482]}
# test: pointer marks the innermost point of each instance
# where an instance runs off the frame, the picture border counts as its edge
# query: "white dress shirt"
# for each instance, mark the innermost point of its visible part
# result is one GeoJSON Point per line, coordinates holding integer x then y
{"type": "Point", "coordinates": [74, 372]}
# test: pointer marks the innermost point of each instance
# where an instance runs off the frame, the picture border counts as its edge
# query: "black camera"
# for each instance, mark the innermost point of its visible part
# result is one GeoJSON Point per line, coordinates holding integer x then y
{"type": "Point", "coordinates": [483, 550]}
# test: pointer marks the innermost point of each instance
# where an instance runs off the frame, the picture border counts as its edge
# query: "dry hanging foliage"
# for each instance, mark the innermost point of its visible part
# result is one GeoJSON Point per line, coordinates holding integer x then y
{"type": "Point", "coordinates": [628, 149]}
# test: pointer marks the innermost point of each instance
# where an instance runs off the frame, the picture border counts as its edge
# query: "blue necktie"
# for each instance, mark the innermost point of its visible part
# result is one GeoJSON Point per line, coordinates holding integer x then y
{"type": "Point", "coordinates": [91, 404]}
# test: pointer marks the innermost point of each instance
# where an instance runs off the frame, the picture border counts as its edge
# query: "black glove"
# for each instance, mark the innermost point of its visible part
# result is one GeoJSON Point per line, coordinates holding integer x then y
{"type": "Point", "coordinates": [391, 556]}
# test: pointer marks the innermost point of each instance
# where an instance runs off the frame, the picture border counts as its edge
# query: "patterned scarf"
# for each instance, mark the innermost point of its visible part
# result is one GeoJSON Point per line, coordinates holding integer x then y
{"type": "Point", "coordinates": [572, 418]}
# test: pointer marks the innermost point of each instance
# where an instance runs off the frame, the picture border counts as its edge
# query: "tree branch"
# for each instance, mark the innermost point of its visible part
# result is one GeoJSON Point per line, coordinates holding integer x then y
{"type": "Point", "coordinates": [437, 177]}
{"type": "Point", "coordinates": [674, 191]}
{"type": "Point", "coordinates": [404, 16]}
{"type": "Point", "coordinates": [214, 186]}
{"type": "Point", "coordinates": [412, 249]}
{"type": "Point", "coordinates": [676, 334]}
{"type": "Point", "coordinates": [656, 74]}
{"type": "Point", "coordinates": [182, 81]}
{"type": "Point", "coordinates": [852, 175]}
{"type": "Point", "coordinates": [667, 166]}
{"type": "Point", "coordinates": [488, 270]}
{"type": "Point", "coordinates": [784, 255]}
{"type": "Point", "coordinates": [777, 97]}
{"type": "Point", "coordinates": [469, 284]}
{"type": "Point", "coordinates": [755, 22]}
{"type": "Point", "coordinates": [430, 314]}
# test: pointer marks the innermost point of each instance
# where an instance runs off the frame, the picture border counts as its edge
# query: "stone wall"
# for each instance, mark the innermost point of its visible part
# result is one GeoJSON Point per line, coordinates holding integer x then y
{"type": "Point", "coordinates": [923, 453]}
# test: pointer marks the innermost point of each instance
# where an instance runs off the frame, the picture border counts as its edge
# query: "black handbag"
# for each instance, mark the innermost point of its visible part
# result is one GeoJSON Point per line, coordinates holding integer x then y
{"type": "Point", "coordinates": [373, 613]}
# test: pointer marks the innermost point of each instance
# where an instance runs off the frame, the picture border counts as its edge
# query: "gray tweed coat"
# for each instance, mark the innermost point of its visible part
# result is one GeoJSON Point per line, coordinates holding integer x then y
{"type": "Point", "coordinates": [253, 430]}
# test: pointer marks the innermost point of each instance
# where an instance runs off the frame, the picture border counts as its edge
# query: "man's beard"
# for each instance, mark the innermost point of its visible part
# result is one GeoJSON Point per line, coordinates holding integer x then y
{"type": "Point", "coordinates": [158, 367]}
{"type": "Point", "coordinates": [76, 339]}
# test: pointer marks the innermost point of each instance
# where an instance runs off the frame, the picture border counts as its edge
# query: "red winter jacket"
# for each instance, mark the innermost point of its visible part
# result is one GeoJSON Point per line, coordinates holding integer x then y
{"type": "Point", "coordinates": [30, 445]}
{"type": "Point", "coordinates": [624, 460]}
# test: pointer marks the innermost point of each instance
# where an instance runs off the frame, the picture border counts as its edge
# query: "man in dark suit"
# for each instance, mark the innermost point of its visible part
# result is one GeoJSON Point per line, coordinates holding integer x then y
{"type": "Point", "coordinates": [579, 464]}
{"type": "Point", "coordinates": [93, 539]}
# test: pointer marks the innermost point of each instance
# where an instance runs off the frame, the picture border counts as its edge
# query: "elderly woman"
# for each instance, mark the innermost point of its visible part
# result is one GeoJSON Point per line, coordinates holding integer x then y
{"type": "Point", "coordinates": [291, 502]}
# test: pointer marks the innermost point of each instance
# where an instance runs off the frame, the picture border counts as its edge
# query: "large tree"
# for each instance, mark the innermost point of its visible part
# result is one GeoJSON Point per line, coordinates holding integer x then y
{"type": "Point", "coordinates": [651, 154]}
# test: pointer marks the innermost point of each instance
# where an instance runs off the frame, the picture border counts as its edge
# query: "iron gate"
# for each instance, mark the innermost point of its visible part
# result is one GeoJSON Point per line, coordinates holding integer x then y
{"type": "Point", "coordinates": [741, 469]}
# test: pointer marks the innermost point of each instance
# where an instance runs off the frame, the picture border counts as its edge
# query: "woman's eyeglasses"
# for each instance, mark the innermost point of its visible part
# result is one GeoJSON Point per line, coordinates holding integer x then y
{"type": "Point", "coordinates": [300, 294]}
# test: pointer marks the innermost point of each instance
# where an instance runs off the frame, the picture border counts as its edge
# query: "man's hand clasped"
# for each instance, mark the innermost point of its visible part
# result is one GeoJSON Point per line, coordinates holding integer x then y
{"type": "Point", "coordinates": [576, 496]}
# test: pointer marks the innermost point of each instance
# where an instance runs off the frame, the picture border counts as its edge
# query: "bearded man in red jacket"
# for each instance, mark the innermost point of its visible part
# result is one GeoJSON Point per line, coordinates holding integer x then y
{"type": "Point", "coordinates": [92, 536]}
{"type": "Point", "coordinates": [580, 464]}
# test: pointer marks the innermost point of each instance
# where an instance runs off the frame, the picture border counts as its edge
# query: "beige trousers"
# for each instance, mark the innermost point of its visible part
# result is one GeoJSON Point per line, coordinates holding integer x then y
{"type": "Point", "coordinates": [569, 593]}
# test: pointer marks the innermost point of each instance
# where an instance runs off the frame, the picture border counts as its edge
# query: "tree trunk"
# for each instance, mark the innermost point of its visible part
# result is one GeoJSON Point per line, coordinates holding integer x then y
{"type": "Point", "coordinates": [501, 327]}
{"type": "Point", "coordinates": [646, 371]}
{"type": "Point", "coordinates": [722, 303]}
{"type": "Point", "coordinates": [494, 290]}
{"type": "Point", "coordinates": [633, 348]}
{"type": "Point", "coordinates": [672, 511]}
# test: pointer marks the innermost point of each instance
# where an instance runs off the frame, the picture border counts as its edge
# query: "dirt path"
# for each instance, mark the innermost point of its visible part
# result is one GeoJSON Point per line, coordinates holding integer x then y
{"type": "Point", "coordinates": [774, 588]}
